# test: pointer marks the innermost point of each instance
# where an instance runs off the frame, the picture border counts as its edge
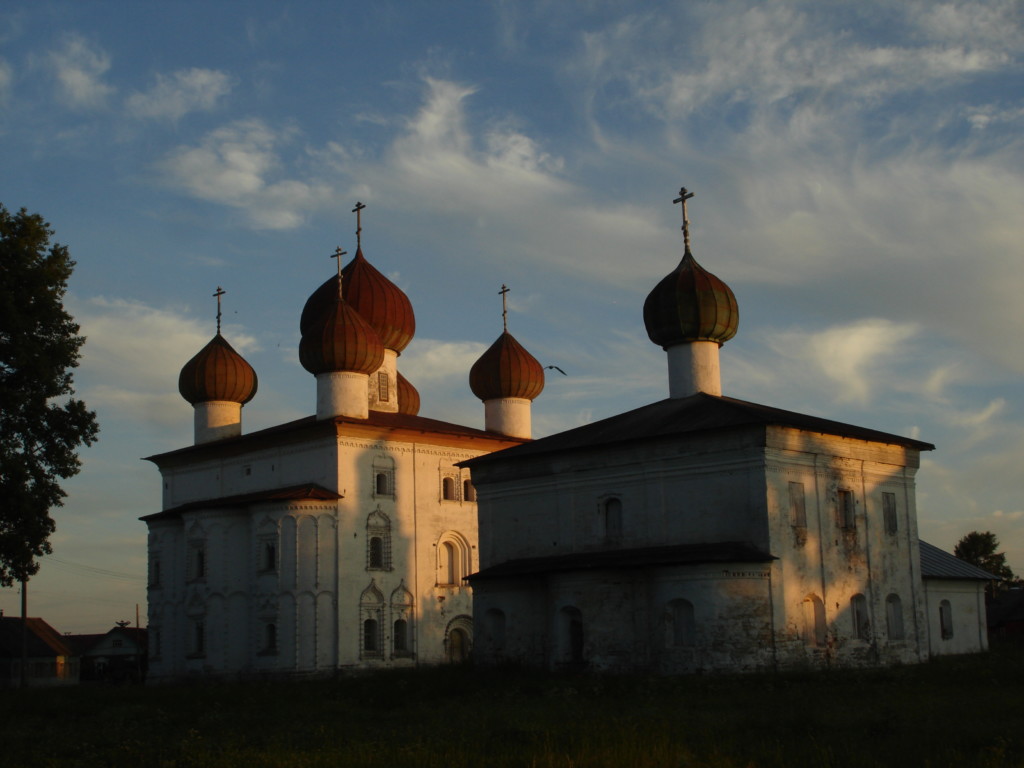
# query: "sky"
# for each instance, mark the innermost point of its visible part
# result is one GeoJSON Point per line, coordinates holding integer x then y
{"type": "Point", "coordinates": [858, 176]}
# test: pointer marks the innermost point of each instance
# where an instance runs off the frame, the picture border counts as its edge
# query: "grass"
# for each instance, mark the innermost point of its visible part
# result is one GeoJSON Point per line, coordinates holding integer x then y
{"type": "Point", "coordinates": [966, 711]}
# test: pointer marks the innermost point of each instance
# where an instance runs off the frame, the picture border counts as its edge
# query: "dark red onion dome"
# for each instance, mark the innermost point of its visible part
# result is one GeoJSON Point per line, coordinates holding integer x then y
{"type": "Point", "coordinates": [408, 397]}
{"type": "Point", "coordinates": [506, 369]}
{"type": "Point", "coordinates": [217, 373]}
{"type": "Point", "coordinates": [690, 304]}
{"type": "Point", "coordinates": [381, 303]}
{"type": "Point", "coordinates": [340, 340]}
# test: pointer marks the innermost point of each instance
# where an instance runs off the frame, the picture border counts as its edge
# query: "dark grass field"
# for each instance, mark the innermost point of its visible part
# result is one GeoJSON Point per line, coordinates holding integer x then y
{"type": "Point", "coordinates": [966, 711]}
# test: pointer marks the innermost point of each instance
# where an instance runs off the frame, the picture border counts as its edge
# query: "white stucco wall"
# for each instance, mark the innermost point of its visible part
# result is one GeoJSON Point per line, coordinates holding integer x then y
{"type": "Point", "coordinates": [967, 609]}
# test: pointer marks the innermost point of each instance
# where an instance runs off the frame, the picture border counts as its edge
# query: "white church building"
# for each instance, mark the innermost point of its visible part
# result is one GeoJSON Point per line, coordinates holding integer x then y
{"type": "Point", "coordinates": [341, 540]}
{"type": "Point", "coordinates": [696, 533]}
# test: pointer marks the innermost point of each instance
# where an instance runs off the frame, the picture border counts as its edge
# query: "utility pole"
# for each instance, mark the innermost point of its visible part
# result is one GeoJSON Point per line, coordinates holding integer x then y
{"type": "Point", "coordinates": [24, 633]}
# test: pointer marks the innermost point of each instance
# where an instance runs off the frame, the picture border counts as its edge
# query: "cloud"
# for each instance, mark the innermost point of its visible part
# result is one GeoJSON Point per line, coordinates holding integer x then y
{"type": "Point", "coordinates": [133, 355]}
{"type": "Point", "coordinates": [238, 165]}
{"type": "Point", "coordinates": [79, 68]}
{"type": "Point", "coordinates": [175, 95]}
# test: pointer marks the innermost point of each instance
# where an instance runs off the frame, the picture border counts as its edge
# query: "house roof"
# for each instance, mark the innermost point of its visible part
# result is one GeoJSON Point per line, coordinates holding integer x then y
{"type": "Point", "coordinates": [309, 491]}
{"type": "Point", "coordinates": [83, 645]}
{"type": "Point", "coordinates": [689, 415]}
{"type": "Point", "coordinates": [646, 557]}
{"type": "Point", "coordinates": [43, 640]}
{"type": "Point", "coordinates": [379, 425]}
{"type": "Point", "coordinates": [939, 564]}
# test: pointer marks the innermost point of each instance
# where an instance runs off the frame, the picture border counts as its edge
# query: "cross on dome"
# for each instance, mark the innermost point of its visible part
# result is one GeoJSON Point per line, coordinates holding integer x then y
{"type": "Point", "coordinates": [504, 306]}
{"type": "Point", "coordinates": [338, 253]}
{"type": "Point", "coordinates": [220, 292]}
{"type": "Point", "coordinates": [684, 195]}
{"type": "Point", "coordinates": [358, 211]}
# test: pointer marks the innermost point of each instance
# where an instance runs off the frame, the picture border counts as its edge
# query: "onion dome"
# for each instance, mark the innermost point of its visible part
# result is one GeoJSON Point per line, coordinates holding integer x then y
{"type": "Point", "coordinates": [690, 304]}
{"type": "Point", "coordinates": [339, 339]}
{"type": "Point", "coordinates": [408, 397]}
{"type": "Point", "coordinates": [218, 372]}
{"type": "Point", "coordinates": [506, 369]}
{"type": "Point", "coordinates": [381, 303]}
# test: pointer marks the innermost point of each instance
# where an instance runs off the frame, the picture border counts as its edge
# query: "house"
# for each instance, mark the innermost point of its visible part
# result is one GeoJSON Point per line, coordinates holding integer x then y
{"type": "Point", "coordinates": [706, 533]}
{"type": "Point", "coordinates": [115, 656]}
{"type": "Point", "coordinates": [337, 541]}
{"type": "Point", "coordinates": [51, 659]}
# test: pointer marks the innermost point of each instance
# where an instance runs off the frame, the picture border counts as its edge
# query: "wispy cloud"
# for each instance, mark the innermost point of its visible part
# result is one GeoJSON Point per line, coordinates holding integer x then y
{"type": "Point", "coordinates": [79, 68]}
{"type": "Point", "coordinates": [6, 80]}
{"type": "Point", "coordinates": [238, 165]}
{"type": "Point", "coordinates": [175, 95]}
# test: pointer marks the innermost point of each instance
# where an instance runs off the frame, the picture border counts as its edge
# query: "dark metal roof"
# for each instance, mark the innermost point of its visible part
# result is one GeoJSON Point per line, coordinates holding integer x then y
{"type": "Point", "coordinates": [43, 640]}
{"type": "Point", "coordinates": [309, 491]}
{"type": "Point", "coordinates": [506, 369]}
{"type": "Point", "coordinates": [309, 426]}
{"type": "Point", "coordinates": [689, 415]}
{"type": "Point", "coordinates": [647, 557]}
{"type": "Point", "coordinates": [938, 564]}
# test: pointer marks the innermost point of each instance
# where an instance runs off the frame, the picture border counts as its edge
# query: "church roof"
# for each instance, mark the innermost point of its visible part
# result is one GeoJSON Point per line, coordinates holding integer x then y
{"type": "Point", "coordinates": [506, 369]}
{"type": "Point", "coordinates": [217, 372]}
{"type": "Point", "coordinates": [340, 339]}
{"type": "Point", "coordinates": [379, 425]}
{"type": "Point", "coordinates": [939, 564]}
{"type": "Point", "coordinates": [645, 557]}
{"type": "Point", "coordinates": [689, 415]}
{"type": "Point", "coordinates": [306, 492]}
{"type": "Point", "coordinates": [690, 304]}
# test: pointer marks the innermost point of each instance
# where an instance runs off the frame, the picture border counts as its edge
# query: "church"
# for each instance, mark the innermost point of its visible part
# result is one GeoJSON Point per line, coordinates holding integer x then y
{"type": "Point", "coordinates": [705, 533]}
{"type": "Point", "coordinates": [338, 541]}
{"type": "Point", "coordinates": [698, 533]}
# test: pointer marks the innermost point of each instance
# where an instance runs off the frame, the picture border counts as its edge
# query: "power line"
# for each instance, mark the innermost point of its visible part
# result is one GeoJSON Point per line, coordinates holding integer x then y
{"type": "Point", "coordinates": [91, 570]}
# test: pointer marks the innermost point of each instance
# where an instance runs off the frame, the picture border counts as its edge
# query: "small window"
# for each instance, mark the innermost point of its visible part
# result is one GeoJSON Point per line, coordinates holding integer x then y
{"type": "Point", "coordinates": [381, 484]}
{"type": "Point", "coordinates": [197, 561]}
{"type": "Point", "coordinates": [371, 640]}
{"type": "Point", "coordinates": [452, 560]}
{"type": "Point", "coordinates": [401, 637]}
{"type": "Point", "coordinates": [468, 491]}
{"type": "Point", "coordinates": [613, 519]}
{"type": "Point", "coordinates": [680, 623]}
{"type": "Point", "coordinates": [847, 518]}
{"type": "Point", "coordinates": [118, 643]}
{"type": "Point", "coordinates": [270, 638]}
{"type": "Point", "coordinates": [154, 572]}
{"type": "Point", "coordinates": [797, 505]}
{"type": "Point", "coordinates": [815, 631]}
{"type": "Point", "coordinates": [376, 552]}
{"type": "Point", "coordinates": [269, 556]}
{"type": "Point", "coordinates": [894, 617]}
{"type": "Point", "coordinates": [383, 387]}
{"type": "Point", "coordinates": [859, 617]}
{"type": "Point", "coordinates": [889, 512]}
{"type": "Point", "coordinates": [946, 619]}
{"type": "Point", "coordinates": [448, 489]}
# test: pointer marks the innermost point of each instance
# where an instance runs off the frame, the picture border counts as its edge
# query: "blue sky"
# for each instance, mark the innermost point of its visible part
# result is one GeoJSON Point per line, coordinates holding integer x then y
{"type": "Point", "coordinates": [858, 178]}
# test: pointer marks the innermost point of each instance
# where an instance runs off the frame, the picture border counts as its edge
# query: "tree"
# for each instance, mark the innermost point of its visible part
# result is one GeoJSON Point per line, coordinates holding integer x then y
{"type": "Point", "coordinates": [41, 423]}
{"type": "Point", "coordinates": [979, 549]}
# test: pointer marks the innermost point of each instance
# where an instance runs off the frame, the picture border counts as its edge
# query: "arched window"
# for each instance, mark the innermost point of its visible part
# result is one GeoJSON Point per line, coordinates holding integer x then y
{"type": "Point", "coordinates": [448, 488]}
{"type": "Point", "coordinates": [468, 491]}
{"type": "Point", "coordinates": [401, 622]}
{"type": "Point", "coordinates": [378, 541]}
{"type": "Point", "coordinates": [894, 617]}
{"type": "Point", "coordinates": [612, 511]}
{"type": "Point", "coordinates": [458, 639]}
{"type": "Point", "coordinates": [376, 552]}
{"type": "Point", "coordinates": [269, 556]}
{"type": "Point", "coordinates": [371, 637]}
{"type": "Point", "coordinates": [452, 560]}
{"type": "Point", "coordinates": [680, 628]}
{"type": "Point", "coordinates": [814, 621]}
{"type": "Point", "coordinates": [859, 617]}
{"type": "Point", "coordinates": [384, 476]}
{"type": "Point", "coordinates": [270, 638]}
{"type": "Point", "coordinates": [570, 636]}
{"type": "Point", "coordinates": [401, 637]}
{"type": "Point", "coordinates": [946, 619]}
{"type": "Point", "coordinates": [381, 484]}
{"type": "Point", "coordinates": [198, 637]}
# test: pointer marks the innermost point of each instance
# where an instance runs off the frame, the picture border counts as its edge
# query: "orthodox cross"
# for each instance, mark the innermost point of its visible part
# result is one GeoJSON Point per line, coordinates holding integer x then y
{"type": "Point", "coordinates": [504, 306]}
{"type": "Point", "coordinates": [683, 197]}
{"type": "Point", "coordinates": [220, 292]}
{"type": "Point", "coordinates": [359, 224]}
{"type": "Point", "coordinates": [338, 253]}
